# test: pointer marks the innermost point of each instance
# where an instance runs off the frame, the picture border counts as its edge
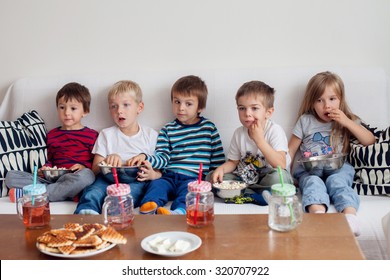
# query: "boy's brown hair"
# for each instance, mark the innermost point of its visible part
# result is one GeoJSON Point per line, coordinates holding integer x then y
{"type": "Point", "coordinates": [191, 85]}
{"type": "Point", "coordinates": [258, 88]}
{"type": "Point", "coordinates": [77, 92]}
{"type": "Point", "coordinates": [126, 86]}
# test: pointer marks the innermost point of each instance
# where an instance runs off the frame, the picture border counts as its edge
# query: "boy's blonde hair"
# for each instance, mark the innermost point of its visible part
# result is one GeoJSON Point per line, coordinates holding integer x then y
{"type": "Point", "coordinates": [314, 90]}
{"type": "Point", "coordinates": [191, 85]}
{"type": "Point", "coordinates": [77, 92]}
{"type": "Point", "coordinates": [258, 89]}
{"type": "Point", "coordinates": [126, 86]}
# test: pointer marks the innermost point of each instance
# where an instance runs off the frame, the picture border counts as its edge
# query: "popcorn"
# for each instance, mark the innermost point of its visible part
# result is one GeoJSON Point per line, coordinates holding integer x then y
{"type": "Point", "coordinates": [230, 185]}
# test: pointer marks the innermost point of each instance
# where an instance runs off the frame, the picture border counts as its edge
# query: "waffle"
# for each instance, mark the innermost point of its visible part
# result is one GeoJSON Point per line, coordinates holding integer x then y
{"type": "Point", "coordinates": [79, 239]}
{"type": "Point", "coordinates": [111, 235]}
{"type": "Point", "coordinates": [89, 241]}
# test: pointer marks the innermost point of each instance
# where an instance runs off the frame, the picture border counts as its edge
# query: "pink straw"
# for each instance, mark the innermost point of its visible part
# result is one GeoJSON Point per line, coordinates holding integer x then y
{"type": "Point", "coordinates": [117, 185]}
{"type": "Point", "coordinates": [200, 173]}
{"type": "Point", "coordinates": [198, 194]}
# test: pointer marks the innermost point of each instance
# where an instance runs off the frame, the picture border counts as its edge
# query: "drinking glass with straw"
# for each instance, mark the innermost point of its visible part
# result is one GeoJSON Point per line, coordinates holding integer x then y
{"type": "Point", "coordinates": [289, 204]}
{"type": "Point", "coordinates": [198, 194]}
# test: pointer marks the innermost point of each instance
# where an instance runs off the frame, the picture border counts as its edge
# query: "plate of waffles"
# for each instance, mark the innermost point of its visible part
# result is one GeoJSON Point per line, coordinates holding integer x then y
{"type": "Point", "coordinates": [79, 241]}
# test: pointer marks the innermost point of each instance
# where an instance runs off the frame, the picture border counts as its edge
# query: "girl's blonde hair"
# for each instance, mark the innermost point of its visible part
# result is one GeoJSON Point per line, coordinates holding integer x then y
{"type": "Point", "coordinates": [314, 90]}
{"type": "Point", "coordinates": [126, 86]}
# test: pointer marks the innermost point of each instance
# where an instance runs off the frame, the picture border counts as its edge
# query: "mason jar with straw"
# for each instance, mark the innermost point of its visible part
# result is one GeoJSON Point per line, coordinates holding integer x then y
{"type": "Point", "coordinates": [34, 208]}
{"type": "Point", "coordinates": [199, 202]}
{"type": "Point", "coordinates": [285, 210]}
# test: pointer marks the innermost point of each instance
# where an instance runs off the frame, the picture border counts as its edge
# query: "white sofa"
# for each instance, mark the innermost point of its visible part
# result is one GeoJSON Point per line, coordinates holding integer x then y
{"type": "Point", "coordinates": [367, 91]}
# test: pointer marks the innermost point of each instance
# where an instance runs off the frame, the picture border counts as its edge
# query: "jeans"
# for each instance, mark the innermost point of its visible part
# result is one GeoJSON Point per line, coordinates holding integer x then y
{"type": "Point", "coordinates": [326, 187]}
{"type": "Point", "coordinates": [171, 186]}
{"type": "Point", "coordinates": [94, 195]}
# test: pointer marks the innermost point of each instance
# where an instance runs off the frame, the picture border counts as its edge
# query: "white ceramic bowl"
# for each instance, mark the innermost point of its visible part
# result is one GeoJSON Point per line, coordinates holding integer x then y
{"type": "Point", "coordinates": [229, 188]}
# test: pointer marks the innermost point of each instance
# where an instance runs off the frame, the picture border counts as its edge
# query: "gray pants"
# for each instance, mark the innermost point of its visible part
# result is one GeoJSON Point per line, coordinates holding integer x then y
{"type": "Point", "coordinates": [65, 188]}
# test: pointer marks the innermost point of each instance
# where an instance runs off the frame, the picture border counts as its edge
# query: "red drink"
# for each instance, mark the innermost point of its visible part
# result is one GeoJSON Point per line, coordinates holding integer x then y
{"type": "Point", "coordinates": [120, 222]}
{"type": "Point", "coordinates": [37, 215]}
{"type": "Point", "coordinates": [204, 215]}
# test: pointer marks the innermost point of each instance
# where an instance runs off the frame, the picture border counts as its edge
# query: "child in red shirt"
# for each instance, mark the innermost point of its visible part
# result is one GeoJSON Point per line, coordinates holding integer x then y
{"type": "Point", "coordinates": [68, 146]}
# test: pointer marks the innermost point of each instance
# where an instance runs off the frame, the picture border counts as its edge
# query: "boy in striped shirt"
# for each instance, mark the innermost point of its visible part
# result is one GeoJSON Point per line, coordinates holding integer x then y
{"type": "Point", "coordinates": [182, 145]}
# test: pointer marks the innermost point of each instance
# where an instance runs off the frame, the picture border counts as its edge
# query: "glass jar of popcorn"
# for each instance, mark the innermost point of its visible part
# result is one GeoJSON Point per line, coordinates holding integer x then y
{"type": "Point", "coordinates": [118, 208]}
{"type": "Point", "coordinates": [199, 204]}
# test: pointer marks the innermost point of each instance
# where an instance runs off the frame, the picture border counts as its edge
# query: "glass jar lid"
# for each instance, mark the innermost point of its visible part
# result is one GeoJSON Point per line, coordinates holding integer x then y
{"type": "Point", "coordinates": [36, 189]}
{"type": "Point", "coordinates": [203, 186]}
{"type": "Point", "coordinates": [118, 190]}
{"type": "Point", "coordinates": [283, 190]}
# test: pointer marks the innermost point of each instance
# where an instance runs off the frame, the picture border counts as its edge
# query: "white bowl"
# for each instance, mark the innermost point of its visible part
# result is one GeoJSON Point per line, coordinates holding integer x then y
{"type": "Point", "coordinates": [229, 188]}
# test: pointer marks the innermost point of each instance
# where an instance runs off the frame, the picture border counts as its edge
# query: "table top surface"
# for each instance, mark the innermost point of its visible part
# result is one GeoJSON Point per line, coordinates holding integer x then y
{"type": "Point", "coordinates": [230, 237]}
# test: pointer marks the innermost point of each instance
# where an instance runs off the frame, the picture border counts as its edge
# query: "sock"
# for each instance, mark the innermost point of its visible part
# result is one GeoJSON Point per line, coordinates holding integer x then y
{"type": "Point", "coordinates": [15, 194]}
{"type": "Point", "coordinates": [148, 208]}
{"type": "Point", "coordinates": [266, 195]}
{"type": "Point", "coordinates": [88, 212]}
{"type": "Point", "coordinates": [353, 223]}
{"type": "Point", "coordinates": [164, 211]}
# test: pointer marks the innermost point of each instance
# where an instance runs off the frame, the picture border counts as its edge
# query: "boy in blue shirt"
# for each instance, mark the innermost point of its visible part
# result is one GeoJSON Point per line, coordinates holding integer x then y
{"type": "Point", "coordinates": [181, 146]}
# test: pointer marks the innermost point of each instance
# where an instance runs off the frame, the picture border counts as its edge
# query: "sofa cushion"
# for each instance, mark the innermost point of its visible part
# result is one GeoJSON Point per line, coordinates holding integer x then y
{"type": "Point", "coordinates": [22, 145]}
{"type": "Point", "coordinates": [372, 164]}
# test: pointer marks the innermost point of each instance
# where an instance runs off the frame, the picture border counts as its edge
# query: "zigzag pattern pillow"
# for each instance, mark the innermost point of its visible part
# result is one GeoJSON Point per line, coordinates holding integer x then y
{"type": "Point", "coordinates": [22, 145]}
{"type": "Point", "coordinates": [372, 165]}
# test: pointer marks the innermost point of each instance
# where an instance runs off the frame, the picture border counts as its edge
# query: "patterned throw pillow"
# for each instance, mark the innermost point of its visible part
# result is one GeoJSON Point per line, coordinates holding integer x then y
{"type": "Point", "coordinates": [372, 165]}
{"type": "Point", "coordinates": [22, 145]}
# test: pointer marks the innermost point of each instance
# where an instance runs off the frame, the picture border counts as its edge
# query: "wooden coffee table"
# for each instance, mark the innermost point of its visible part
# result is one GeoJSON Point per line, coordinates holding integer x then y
{"type": "Point", "coordinates": [231, 237]}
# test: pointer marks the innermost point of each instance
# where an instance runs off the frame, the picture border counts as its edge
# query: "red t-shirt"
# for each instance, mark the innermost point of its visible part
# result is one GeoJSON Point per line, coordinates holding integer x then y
{"type": "Point", "coordinates": [68, 147]}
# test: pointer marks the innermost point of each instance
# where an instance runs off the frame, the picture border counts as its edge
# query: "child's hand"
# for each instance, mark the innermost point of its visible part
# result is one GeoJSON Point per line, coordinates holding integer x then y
{"type": "Point", "coordinates": [146, 172]}
{"type": "Point", "coordinates": [338, 116]}
{"type": "Point", "coordinates": [76, 167]}
{"type": "Point", "coordinates": [40, 173]}
{"type": "Point", "coordinates": [217, 176]}
{"type": "Point", "coordinates": [136, 160]}
{"type": "Point", "coordinates": [256, 131]}
{"type": "Point", "coordinates": [113, 160]}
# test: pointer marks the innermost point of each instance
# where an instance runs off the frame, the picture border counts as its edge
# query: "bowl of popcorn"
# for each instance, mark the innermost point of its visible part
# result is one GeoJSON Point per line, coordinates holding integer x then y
{"type": "Point", "coordinates": [229, 188]}
{"type": "Point", "coordinates": [53, 173]}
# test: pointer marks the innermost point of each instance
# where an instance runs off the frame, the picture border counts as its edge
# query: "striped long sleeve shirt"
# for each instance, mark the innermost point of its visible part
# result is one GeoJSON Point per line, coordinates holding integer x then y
{"type": "Point", "coordinates": [181, 148]}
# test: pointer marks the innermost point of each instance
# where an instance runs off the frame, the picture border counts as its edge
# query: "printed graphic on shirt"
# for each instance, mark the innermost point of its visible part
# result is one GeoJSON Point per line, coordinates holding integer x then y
{"type": "Point", "coordinates": [318, 145]}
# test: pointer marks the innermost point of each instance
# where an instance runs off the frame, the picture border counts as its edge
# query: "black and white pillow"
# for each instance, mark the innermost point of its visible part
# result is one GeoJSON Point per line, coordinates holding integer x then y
{"type": "Point", "coordinates": [22, 145]}
{"type": "Point", "coordinates": [372, 165]}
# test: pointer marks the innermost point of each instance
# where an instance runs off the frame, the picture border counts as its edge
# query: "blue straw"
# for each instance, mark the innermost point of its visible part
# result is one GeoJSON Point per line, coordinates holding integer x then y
{"type": "Point", "coordinates": [34, 183]}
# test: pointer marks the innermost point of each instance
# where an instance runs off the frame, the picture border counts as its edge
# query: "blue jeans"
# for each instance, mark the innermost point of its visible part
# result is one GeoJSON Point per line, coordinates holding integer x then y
{"type": "Point", "coordinates": [171, 186]}
{"type": "Point", "coordinates": [93, 196]}
{"type": "Point", "coordinates": [324, 188]}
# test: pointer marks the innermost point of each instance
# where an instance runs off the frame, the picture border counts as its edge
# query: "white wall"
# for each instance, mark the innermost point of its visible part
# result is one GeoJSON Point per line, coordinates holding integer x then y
{"type": "Point", "coordinates": [54, 37]}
